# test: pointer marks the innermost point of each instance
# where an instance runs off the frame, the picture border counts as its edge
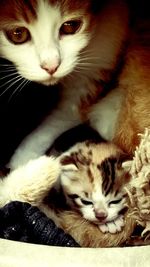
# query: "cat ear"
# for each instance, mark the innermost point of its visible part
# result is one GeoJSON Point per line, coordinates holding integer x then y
{"type": "Point", "coordinates": [127, 165]}
{"type": "Point", "coordinates": [122, 159]}
{"type": "Point", "coordinates": [68, 164]}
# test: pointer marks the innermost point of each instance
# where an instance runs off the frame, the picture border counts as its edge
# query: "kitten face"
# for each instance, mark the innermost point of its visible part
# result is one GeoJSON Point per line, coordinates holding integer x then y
{"type": "Point", "coordinates": [44, 38]}
{"type": "Point", "coordinates": [92, 181]}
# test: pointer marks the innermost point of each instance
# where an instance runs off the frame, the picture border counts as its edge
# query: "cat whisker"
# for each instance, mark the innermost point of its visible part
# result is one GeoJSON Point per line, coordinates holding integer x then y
{"type": "Point", "coordinates": [7, 76]}
{"type": "Point", "coordinates": [18, 89]}
{"type": "Point", "coordinates": [7, 70]}
{"type": "Point", "coordinates": [86, 52]}
{"type": "Point", "coordinates": [87, 58]}
{"type": "Point", "coordinates": [79, 68]}
{"type": "Point", "coordinates": [89, 64]}
{"type": "Point", "coordinates": [4, 84]}
{"type": "Point", "coordinates": [11, 82]}
{"type": "Point", "coordinates": [6, 65]}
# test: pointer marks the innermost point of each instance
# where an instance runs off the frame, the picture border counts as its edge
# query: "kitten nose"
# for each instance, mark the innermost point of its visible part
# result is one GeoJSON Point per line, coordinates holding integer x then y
{"type": "Point", "coordinates": [50, 68]}
{"type": "Point", "coordinates": [101, 214]}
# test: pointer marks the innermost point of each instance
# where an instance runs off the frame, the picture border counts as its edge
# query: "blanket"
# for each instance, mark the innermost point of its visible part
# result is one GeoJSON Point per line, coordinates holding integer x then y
{"type": "Point", "coordinates": [22, 222]}
{"type": "Point", "coordinates": [139, 187]}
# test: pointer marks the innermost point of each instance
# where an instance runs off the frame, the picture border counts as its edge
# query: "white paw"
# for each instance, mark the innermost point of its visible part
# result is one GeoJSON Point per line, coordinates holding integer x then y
{"type": "Point", "coordinates": [113, 226]}
{"type": "Point", "coordinates": [32, 181]}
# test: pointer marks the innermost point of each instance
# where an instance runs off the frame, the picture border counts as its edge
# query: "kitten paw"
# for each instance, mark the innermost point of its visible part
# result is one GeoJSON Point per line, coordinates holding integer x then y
{"type": "Point", "coordinates": [113, 226]}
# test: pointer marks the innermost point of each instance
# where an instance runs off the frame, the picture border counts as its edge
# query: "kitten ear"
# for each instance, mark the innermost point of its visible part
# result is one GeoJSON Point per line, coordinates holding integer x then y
{"type": "Point", "coordinates": [127, 165]}
{"type": "Point", "coordinates": [123, 158]}
{"type": "Point", "coordinates": [68, 168]}
{"type": "Point", "coordinates": [68, 164]}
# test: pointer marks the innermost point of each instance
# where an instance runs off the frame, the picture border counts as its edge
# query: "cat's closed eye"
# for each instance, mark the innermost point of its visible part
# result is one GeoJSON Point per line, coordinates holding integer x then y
{"type": "Point", "coordinates": [86, 202]}
{"type": "Point", "coordinates": [113, 202]}
{"type": "Point", "coordinates": [73, 196]}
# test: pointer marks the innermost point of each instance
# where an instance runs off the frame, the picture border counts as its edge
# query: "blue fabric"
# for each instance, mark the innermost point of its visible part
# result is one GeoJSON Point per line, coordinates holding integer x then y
{"type": "Point", "coordinates": [22, 222]}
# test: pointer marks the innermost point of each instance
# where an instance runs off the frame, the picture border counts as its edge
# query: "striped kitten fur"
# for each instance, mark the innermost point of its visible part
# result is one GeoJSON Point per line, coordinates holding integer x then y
{"type": "Point", "coordinates": [91, 178]}
{"type": "Point", "coordinates": [93, 182]}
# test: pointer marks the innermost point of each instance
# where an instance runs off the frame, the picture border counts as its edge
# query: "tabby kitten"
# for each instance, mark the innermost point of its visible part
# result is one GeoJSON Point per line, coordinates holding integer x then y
{"type": "Point", "coordinates": [73, 43]}
{"type": "Point", "coordinates": [93, 182]}
{"type": "Point", "coordinates": [91, 177]}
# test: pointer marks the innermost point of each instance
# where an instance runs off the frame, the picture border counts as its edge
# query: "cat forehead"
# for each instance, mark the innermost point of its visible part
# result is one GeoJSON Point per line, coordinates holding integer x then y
{"type": "Point", "coordinates": [29, 10]}
{"type": "Point", "coordinates": [97, 164]}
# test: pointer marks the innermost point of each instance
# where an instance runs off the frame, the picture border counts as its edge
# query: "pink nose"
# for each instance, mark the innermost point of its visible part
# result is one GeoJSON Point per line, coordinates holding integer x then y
{"type": "Point", "coordinates": [51, 69]}
{"type": "Point", "coordinates": [101, 214]}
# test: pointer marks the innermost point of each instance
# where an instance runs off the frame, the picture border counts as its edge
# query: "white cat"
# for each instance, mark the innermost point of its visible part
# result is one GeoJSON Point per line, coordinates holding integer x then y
{"type": "Point", "coordinates": [74, 43]}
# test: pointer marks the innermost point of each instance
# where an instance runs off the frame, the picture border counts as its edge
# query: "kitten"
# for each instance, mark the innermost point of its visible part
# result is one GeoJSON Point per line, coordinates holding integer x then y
{"type": "Point", "coordinates": [93, 182]}
{"type": "Point", "coordinates": [75, 44]}
{"type": "Point", "coordinates": [90, 175]}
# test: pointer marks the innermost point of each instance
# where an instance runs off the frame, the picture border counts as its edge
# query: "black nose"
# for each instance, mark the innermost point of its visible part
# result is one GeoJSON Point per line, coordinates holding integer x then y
{"type": "Point", "coordinates": [101, 215]}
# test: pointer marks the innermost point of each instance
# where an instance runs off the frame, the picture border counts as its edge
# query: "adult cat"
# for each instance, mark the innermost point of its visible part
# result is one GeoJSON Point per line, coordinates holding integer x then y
{"type": "Point", "coordinates": [76, 44]}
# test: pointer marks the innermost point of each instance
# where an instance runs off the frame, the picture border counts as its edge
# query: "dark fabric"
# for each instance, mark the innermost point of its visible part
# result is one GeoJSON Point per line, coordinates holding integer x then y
{"type": "Point", "coordinates": [22, 222]}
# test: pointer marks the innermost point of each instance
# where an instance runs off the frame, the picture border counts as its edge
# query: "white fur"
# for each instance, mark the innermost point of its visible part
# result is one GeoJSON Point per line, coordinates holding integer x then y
{"type": "Point", "coordinates": [99, 49]}
{"type": "Point", "coordinates": [104, 114]}
{"type": "Point", "coordinates": [113, 226]}
{"type": "Point", "coordinates": [31, 182]}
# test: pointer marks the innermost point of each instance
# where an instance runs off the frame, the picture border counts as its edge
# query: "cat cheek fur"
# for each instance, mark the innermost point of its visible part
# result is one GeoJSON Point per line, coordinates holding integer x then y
{"type": "Point", "coordinates": [88, 213]}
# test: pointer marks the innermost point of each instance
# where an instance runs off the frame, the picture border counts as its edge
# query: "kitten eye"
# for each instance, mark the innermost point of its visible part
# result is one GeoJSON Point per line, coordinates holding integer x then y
{"type": "Point", "coordinates": [73, 196]}
{"type": "Point", "coordinates": [86, 202]}
{"type": "Point", "coordinates": [115, 201]}
{"type": "Point", "coordinates": [70, 27]}
{"type": "Point", "coordinates": [18, 35]}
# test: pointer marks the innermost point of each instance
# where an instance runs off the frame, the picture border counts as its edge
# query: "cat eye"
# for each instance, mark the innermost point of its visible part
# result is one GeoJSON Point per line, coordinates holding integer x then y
{"type": "Point", "coordinates": [86, 202]}
{"type": "Point", "coordinates": [18, 35]}
{"type": "Point", "coordinates": [70, 27]}
{"type": "Point", "coordinates": [115, 201]}
{"type": "Point", "coordinates": [73, 196]}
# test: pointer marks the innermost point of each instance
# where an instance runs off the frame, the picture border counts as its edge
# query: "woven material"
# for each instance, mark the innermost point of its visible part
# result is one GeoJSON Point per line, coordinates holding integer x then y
{"type": "Point", "coordinates": [22, 222]}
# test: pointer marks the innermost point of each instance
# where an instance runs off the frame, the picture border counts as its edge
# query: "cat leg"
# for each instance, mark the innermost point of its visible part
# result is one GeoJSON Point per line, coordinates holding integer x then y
{"type": "Point", "coordinates": [36, 143]}
{"type": "Point", "coordinates": [31, 182]}
{"type": "Point", "coordinates": [113, 226]}
{"type": "Point", "coordinates": [104, 115]}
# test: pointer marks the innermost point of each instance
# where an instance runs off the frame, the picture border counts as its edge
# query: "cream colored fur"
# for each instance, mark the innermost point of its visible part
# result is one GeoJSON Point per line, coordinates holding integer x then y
{"type": "Point", "coordinates": [31, 186]}
{"type": "Point", "coordinates": [31, 182]}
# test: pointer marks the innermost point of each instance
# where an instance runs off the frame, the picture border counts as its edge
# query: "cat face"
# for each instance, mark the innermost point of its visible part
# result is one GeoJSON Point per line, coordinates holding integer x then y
{"type": "Point", "coordinates": [92, 183]}
{"type": "Point", "coordinates": [43, 38]}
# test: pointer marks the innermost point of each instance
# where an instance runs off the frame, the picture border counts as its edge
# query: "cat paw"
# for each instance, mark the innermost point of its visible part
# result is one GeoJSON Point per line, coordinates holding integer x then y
{"type": "Point", "coordinates": [113, 226]}
{"type": "Point", "coordinates": [32, 181]}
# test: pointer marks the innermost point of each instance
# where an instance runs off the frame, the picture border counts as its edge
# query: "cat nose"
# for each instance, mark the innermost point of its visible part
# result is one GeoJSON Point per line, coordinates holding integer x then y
{"type": "Point", "coordinates": [101, 214]}
{"type": "Point", "coordinates": [50, 68]}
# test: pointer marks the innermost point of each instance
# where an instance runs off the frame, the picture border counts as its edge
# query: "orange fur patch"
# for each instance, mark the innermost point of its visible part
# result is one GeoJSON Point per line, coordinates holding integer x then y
{"type": "Point", "coordinates": [135, 80]}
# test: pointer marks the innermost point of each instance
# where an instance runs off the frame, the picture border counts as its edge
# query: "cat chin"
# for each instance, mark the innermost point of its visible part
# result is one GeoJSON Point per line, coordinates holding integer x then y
{"type": "Point", "coordinates": [49, 82]}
